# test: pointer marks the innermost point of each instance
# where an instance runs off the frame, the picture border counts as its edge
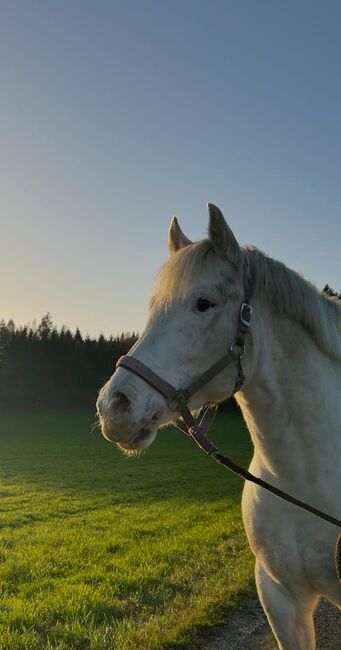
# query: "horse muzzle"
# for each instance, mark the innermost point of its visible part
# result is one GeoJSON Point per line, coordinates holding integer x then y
{"type": "Point", "coordinates": [124, 422]}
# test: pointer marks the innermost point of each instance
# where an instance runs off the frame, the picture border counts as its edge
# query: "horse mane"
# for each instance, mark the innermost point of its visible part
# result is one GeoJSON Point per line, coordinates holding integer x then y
{"type": "Point", "coordinates": [286, 290]}
{"type": "Point", "coordinates": [292, 295]}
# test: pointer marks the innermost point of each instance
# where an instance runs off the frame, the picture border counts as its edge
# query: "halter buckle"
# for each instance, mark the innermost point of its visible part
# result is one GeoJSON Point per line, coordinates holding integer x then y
{"type": "Point", "coordinates": [245, 314]}
{"type": "Point", "coordinates": [178, 400]}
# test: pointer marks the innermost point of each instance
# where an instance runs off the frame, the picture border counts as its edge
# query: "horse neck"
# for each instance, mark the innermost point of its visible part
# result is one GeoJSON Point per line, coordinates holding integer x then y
{"type": "Point", "coordinates": [286, 396]}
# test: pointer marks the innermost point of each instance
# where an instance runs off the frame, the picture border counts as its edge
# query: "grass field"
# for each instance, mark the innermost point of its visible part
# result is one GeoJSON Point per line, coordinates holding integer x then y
{"type": "Point", "coordinates": [100, 551]}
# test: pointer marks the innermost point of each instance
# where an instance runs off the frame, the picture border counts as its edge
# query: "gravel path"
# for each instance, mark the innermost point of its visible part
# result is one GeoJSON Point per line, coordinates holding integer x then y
{"type": "Point", "coordinates": [250, 630]}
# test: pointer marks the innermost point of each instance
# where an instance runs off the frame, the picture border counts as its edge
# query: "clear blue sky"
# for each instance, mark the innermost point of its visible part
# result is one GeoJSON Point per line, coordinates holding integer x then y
{"type": "Point", "coordinates": [116, 115]}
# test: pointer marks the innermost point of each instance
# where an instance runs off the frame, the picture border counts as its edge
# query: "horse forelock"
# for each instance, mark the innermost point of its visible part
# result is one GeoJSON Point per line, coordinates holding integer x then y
{"type": "Point", "coordinates": [190, 266]}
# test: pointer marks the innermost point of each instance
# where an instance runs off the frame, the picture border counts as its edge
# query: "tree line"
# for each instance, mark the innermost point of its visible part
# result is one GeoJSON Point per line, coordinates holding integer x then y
{"type": "Point", "coordinates": [331, 293]}
{"type": "Point", "coordinates": [47, 366]}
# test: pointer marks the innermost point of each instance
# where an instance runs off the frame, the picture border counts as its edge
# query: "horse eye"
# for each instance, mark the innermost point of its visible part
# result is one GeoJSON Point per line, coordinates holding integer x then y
{"type": "Point", "coordinates": [204, 304]}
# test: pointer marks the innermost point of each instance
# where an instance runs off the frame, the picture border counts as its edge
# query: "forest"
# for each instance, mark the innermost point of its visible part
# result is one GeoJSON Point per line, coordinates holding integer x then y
{"type": "Point", "coordinates": [46, 366]}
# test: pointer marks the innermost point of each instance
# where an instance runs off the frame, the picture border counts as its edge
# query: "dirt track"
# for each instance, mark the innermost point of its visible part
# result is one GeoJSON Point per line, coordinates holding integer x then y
{"type": "Point", "coordinates": [250, 630]}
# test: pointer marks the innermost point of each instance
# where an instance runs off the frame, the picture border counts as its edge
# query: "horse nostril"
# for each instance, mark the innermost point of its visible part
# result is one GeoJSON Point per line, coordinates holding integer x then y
{"type": "Point", "coordinates": [120, 401]}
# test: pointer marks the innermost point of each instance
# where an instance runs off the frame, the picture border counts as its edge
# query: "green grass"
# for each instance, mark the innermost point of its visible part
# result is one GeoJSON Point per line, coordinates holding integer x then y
{"type": "Point", "coordinates": [98, 551]}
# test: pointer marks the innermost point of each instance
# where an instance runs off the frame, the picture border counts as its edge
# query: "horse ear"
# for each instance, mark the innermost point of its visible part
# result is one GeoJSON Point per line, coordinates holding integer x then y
{"type": "Point", "coordinates": [176, 238]}
{"type": "Point", "coordinates": [222, 237]}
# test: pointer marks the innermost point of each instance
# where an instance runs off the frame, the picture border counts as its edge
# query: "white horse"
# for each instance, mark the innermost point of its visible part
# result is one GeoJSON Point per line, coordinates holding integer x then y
{"type": "Point", "coordinates": [290, 401]}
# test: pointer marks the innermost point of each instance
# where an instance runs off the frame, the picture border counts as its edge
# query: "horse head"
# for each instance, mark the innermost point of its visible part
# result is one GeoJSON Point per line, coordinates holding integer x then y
{"type": "Point", "coordinates": [193, 315]}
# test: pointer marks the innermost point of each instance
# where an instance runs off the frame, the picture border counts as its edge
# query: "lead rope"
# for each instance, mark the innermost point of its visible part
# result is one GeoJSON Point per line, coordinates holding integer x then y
{"type": "Point", "coordinates": [199, 437]}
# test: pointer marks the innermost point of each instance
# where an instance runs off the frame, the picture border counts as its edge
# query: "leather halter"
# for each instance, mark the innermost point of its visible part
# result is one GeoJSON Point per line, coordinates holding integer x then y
{"type": "Point", "coordinates": [177, 398]}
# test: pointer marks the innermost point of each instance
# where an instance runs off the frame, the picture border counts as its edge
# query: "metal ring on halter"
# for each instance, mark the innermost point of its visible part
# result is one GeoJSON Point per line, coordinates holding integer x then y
{"type": "Point", "coordinates": [236, 344]}
{"type": "Point", "coordinates": [245, 314]}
